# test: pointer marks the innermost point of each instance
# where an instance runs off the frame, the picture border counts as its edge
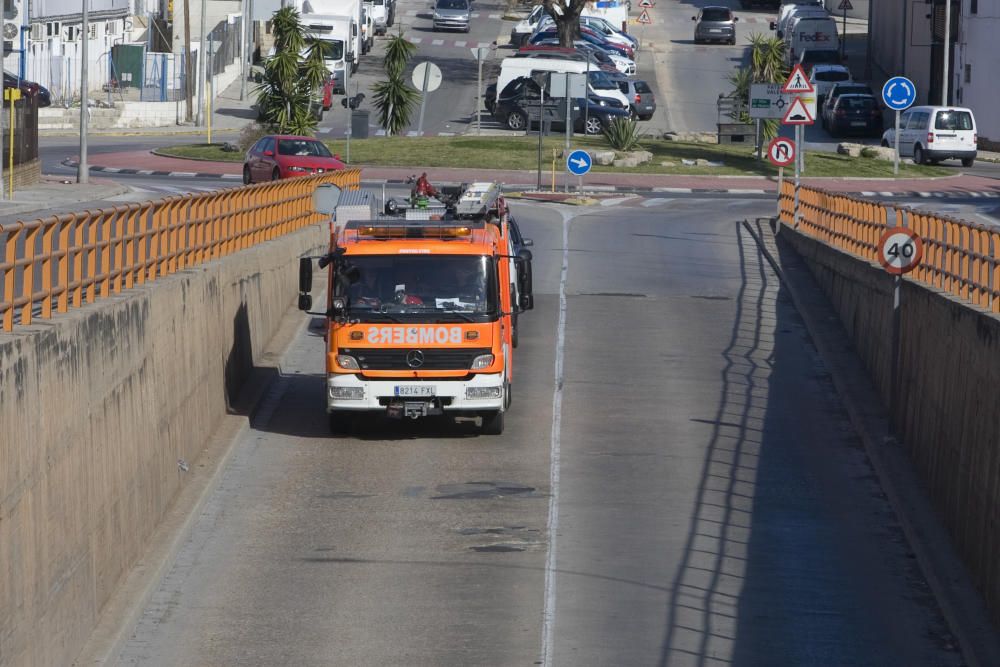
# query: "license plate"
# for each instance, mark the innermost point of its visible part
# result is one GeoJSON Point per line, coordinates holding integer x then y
{"type": "Point", "coordinates": [415, 390]}
{"type": "Point", "coordinates": [714, 30]}
{"type": "Point", "coordinates": [858, 123]}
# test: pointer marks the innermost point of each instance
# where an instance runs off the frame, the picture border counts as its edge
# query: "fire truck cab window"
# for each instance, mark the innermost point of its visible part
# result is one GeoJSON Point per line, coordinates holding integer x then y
{"type": "Point", "coordinates": [419, 285]}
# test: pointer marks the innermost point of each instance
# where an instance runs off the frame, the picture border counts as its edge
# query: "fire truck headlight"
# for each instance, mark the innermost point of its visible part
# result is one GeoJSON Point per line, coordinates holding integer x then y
{"type": "Point", "coordinates": [478, 393]}
{"type": "Point", "coordinates": [346, 393]}
{"type": "Point", "coordinates": [347, 362]}
{"type": "Point", "coordinates": [482, 361]}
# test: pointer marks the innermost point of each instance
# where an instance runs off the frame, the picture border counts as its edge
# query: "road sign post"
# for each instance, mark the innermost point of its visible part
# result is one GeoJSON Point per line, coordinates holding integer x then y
{"type": "Point", "coordinates": [579, 163]}
{"type": "Point", "coordinates": [781, 153]}
{"type": "Point", "coordinates": [798, 114]}
{"type": "Point", "coordinates": [899, 251]}
{"type": "Point", "coordinates": [844, 6]}
{"type": "Point", "coordinates": [898, 94]}
{"type": "Point", "coordinates": [426, 77]}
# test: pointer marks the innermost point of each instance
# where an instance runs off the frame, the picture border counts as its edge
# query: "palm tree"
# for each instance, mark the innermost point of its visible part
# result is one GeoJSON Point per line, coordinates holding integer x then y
{"type": "Point", "coordinates": [286, 95]}
{"type": "Point", "coordinates": [767, 65]}
{"type": "Point", "coordinates": [394, 99]}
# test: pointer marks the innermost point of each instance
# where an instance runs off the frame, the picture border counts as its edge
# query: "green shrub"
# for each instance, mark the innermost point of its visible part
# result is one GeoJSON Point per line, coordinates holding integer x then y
{"type": "Point", "coordinates": [623, 134]}
{"type": "Point", "coordinates": [869, 152]}
{"type": "Point", "coordinates": [250, 135]}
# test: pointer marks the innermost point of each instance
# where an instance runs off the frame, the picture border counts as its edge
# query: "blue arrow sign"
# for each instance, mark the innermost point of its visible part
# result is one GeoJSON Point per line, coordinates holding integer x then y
{"type": "Point", "coordinates": [899, 93]}
{"type": "Point", "coordinates": [578, 162]}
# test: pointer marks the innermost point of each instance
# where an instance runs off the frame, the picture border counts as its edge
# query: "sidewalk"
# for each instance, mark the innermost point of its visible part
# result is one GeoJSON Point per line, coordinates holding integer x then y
{"type": "Point", "coordinates": [229, 116]}
{"type": "Point", "coordinates": [146, 163]}
{"type": "Point", "coordinates": [54, 196]}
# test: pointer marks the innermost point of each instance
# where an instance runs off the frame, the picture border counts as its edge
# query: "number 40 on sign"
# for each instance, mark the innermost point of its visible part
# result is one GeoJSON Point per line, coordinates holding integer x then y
{"type": "Point", "coordinates": [900, 250]}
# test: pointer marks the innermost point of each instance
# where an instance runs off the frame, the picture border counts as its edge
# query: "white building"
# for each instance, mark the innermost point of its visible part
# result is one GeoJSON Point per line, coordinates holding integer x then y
{"type": "Point", "coordinates": [908, 39]}
{"type": "Point", "coordinates": [977, 61]}
{"type": "Point", "coordinates": [53, 41]}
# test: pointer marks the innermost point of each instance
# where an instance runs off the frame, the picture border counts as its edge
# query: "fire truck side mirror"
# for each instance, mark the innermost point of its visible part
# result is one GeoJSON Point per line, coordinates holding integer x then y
{"type": "Point", "coordinates": [527, 302]}
{"type": "Point", "coordinates": [305, 302]}
{"type": "Point", "coordinates": [305, 275]}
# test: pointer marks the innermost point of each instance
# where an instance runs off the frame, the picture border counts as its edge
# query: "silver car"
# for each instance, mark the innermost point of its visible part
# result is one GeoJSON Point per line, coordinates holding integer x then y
{"type": "Point", "coordinates": [451, 15]}
{"type": "Point", "coordinates": [715, 24]}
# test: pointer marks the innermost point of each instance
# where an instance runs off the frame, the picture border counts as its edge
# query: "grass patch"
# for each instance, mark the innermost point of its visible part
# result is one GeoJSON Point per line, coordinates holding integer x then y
{"type": "Point", "coordinates": [513, 153]}
{"type": "Point", "coordinates": [202, 152]}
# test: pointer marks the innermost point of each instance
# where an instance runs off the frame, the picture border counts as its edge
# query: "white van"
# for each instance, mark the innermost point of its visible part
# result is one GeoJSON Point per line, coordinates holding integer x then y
{"type": "Point", "coordinates": [931, 134]}
{"type": "Point", "coordinates": [788, 12]}
{"type": "Point", "coordinates": [810, 32]}
{"type": "Point", "coordinates": [599, 83]}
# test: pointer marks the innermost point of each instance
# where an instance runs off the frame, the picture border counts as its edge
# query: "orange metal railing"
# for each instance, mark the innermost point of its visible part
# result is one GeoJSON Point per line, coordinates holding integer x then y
{"type": "Point", "coordinates": [74, 259]}
{"type": "Point", "coordinates": [959, 257]}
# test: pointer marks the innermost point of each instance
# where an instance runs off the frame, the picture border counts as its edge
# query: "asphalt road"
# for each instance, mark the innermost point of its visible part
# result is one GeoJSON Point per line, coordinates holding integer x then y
{"type": "Point", "coordinates": [678, 485]}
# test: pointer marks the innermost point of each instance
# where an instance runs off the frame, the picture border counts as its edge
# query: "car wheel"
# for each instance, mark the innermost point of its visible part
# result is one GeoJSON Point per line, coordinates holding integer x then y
{"type": "Point", "coordinates": [732, 42]}
{"type": "Point", "coordinates": [885, 144]}
{"type": "Point", "coordinates": [918, 155]}
{"type": "Point", "coordinates": [968, 162]}
{"type": "Point", "coordinates": [276, 174]}
{"type": "Point", "coordinates": [593, 125]}
{"type": "Point", "coordinates": [633, 115]}
{"type": "Point", "coordinates": [516, 121]}
{"type": "Point", "coordinates": [492, 422]}
{"type": "Point", "coordinates": [247, 180]}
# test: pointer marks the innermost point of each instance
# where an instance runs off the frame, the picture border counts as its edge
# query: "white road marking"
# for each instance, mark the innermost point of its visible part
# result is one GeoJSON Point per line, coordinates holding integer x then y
{"type": "Point", "coordinates": [460, 44]}
{"type": "Point", "coordinates": [615, 202]}
{"type": "Point", "coordinates": [416, 40]}
{"type": "Point", "coordinates": [437, 42]}
{"type": "Point", "coordinates": [549, 615]}
{"type": "Point", "coordinates": [655, 201]}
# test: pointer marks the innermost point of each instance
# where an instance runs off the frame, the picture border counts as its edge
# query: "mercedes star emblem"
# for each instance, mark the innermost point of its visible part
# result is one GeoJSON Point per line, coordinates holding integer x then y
{"type": "Point", "coordinates": [414, 358]}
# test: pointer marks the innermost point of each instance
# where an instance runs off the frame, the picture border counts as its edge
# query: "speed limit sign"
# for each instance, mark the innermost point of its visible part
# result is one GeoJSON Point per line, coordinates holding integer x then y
{"type": "Point", "coordinates": [900, 250]}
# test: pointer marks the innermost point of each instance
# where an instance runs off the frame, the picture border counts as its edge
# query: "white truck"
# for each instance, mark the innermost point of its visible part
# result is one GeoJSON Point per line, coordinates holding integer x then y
{"type": "Point", "coordinates": [338, 24]}
{"type": "Point", "coordinates": [379, 10]}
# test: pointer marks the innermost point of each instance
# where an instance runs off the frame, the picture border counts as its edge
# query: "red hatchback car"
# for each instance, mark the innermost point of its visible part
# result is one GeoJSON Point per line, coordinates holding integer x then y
{"type": "Point", "coordinates": [287, 156]}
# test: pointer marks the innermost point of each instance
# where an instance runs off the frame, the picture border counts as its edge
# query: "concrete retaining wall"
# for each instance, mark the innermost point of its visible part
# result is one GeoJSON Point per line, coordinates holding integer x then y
{"type": "Point", "coordinates": [949, 408]}
{"type": "Point", "coordinates": [96, 409]}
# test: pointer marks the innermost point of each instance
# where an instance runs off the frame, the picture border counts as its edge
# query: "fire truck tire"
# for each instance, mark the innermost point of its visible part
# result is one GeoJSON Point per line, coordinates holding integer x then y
{"type": "Point", "coordinates": [340, 423]}
{"type": "Point", "coordinates": [492, 422]}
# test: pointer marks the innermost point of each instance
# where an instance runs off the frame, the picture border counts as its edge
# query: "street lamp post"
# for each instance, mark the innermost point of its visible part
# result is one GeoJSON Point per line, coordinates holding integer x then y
{"type": "Point", "coordinates": [947, 42]}
{"type": "Point", "coordinates": [83, 170]}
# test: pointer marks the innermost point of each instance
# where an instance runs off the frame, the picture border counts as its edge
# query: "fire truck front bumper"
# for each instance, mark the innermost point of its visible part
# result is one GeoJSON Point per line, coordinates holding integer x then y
{"type": "Point", "coordinates": [481, 392]}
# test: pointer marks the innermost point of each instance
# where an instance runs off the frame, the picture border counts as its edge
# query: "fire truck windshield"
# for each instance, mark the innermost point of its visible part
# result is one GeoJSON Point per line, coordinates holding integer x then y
{"type": "Point", "coordinates": [418, 287]}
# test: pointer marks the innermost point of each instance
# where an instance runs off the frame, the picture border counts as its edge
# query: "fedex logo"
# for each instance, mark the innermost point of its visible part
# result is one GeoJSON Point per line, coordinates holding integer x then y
{"type": "Point", "coordinates": [414, 335]}
{"type": "Point", "coordinates": [815, 37]}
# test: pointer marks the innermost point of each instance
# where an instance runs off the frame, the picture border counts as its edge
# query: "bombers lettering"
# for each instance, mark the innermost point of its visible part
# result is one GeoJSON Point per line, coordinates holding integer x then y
{"type": "Point", "coordinates": [414, 335]}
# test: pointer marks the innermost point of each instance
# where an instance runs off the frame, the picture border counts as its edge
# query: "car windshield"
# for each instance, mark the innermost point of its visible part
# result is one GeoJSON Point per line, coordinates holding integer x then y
{"type": "Point", "coordinates": [303, 147]}
{"type": "Point", "coordinates": [420, 285]}
{"type": "Point", "coordinates": [452, 4]}
{"type": "Point", "coordinates": [713, 14]}
{"type": "Point", "coordinates": [601, 81]}
{"type": "Point", "coordinates": [642, 87]}
{"type": "Point", "coordinates": [833, 75]}
{"type": "Point", "coordinates": [333, 49]}
{"type": "Point", "coordinates": [953, 120]}
{"type": "Point", "coordinates": [847, 90]}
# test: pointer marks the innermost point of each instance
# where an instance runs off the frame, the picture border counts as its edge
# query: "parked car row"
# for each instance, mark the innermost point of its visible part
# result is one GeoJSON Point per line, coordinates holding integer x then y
{"type": "Point", "coordinates": [603, 54]}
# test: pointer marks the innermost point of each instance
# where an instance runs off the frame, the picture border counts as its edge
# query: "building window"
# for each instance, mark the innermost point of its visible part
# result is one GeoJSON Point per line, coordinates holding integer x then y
{"type": "Point", "coordinates": [968, 73]}
{"type": "Point", "coordinates": [973, 6]}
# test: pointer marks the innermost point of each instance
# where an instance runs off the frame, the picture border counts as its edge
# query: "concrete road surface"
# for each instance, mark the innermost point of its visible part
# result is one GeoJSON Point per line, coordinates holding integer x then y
{"type": "Point", "coordinates": [678, 485]}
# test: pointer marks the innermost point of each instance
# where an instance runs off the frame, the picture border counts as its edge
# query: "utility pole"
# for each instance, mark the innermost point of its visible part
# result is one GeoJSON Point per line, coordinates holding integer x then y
{"type": "Point", "coordinates": [202, 51]}
{"type": "Point", "coordinates": [188, 70]}
{"type": "Point", "coordinates": [947, 43]}
{"type": "Point", "coordinates": [243, 51]}
{"type": "Point", "coordinates": [83, 169]}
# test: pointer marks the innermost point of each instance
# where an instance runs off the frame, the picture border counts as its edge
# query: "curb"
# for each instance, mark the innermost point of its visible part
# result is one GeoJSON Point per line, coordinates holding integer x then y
{"type": "Point", "coordinates": [159, 153]}
{"type": "Point", "coordinates": [753, 192]}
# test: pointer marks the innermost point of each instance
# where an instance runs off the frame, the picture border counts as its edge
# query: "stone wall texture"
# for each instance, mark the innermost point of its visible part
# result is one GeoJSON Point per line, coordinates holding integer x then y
{"type": "Point", "coordinates": [97, 407]}
{"type": "Point", "coordinates": [948, 410]}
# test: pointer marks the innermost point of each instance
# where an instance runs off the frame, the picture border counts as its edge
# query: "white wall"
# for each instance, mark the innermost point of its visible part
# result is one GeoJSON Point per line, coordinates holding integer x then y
{"type": "Point", "coordinates": [44, 8]}
{"type": "Point", "coordinates": [899, 49]}
{"type": "Point", "coordinates": [978, 48]}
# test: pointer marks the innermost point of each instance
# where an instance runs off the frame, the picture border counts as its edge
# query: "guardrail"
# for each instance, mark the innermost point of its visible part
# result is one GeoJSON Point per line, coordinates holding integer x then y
{"type": "Point", "coordinates": [959, 257]}
{"type": "Point", "coordinates": [70, 260]}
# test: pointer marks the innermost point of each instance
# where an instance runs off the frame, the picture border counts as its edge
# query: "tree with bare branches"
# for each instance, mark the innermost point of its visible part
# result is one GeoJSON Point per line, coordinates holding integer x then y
{"type": "Point", "coordinates": [566, 14]}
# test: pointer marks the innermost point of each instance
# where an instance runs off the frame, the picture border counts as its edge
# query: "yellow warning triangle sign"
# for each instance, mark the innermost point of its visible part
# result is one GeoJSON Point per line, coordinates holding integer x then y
{"type": "Point", "coordinates": [644, 17]}
{"type": "Point", "coordinates": [797, 82]}
{"type": "Point", "coordinates": [798, 114]}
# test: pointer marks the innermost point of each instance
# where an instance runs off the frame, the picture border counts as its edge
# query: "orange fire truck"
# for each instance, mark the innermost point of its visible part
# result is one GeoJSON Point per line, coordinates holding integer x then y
{"type": "Point", "coordinates": [421, 307]}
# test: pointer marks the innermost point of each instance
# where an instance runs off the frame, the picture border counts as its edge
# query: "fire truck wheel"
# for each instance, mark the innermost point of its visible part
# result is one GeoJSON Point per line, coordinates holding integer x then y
{"type": "Point", "coordinates": [492, 423]}
{"type": "Point", "coordinates": [340, 423]}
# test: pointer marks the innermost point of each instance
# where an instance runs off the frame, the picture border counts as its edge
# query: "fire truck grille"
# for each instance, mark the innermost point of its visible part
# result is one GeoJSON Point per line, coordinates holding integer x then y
{"type": "Point", "coordinates": [414, 359]}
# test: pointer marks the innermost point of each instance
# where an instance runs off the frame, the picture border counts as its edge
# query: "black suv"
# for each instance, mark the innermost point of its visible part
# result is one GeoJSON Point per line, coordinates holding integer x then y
{"type": "Point", "coordinates": [518, 105]}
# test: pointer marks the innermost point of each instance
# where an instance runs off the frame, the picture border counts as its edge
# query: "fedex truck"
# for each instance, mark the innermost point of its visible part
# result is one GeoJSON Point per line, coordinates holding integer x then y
{"type": "Point", "coordinates": [810, 32]}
